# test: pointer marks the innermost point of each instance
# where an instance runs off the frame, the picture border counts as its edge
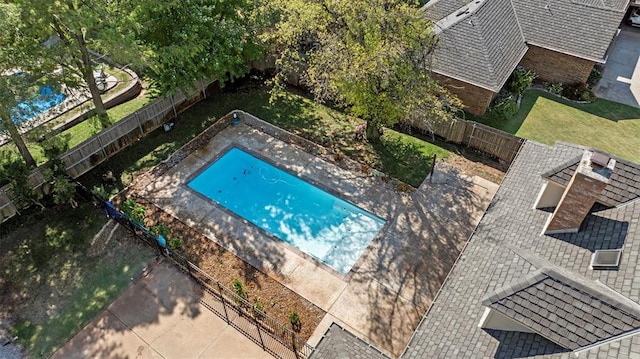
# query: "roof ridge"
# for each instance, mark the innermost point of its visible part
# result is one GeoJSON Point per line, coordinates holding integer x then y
{"type": "Point", "coordinates": [555, 271]}
{"type": "Point", "coordinates": [559, 168]}
{"type": "Point", "coordinates": [574, 299]}
{"type": "Point", "coordinates": [604, 6]}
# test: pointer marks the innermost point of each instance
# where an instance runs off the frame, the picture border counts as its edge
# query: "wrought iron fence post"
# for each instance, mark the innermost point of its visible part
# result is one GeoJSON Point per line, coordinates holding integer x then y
{"type": "Point", "coordinates": [224, 306]}
{"type": "Point", "coordinates": [186, 264]}
{"type": "Point", "coordinates": [293, 345]}
{"type": "Point", "coordinates": [255, 319]}
{"type": "Point", "coordinates": [433, 166]}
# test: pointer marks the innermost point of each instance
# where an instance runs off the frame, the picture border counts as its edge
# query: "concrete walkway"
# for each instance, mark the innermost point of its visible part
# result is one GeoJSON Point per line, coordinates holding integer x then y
{"type": "Point", "coordinates": [621, 76]}
{"type": "Point", "coordinates": [160, 316]}
{"type": "Point", "coordinates": [384, 296]}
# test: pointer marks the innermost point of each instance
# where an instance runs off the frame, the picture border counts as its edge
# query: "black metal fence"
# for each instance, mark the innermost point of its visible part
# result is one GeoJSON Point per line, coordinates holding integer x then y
{"type": "Point", "coordinates": [271, 335]}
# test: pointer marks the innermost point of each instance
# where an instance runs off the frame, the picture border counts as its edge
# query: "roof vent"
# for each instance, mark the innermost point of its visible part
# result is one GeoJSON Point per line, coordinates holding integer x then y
{"type": "Point", "coordinates": [462, 11]}
{"type": "Point", "coordinates": [605, 258]}
{"type": "Point", "coordinates": [600, 159]}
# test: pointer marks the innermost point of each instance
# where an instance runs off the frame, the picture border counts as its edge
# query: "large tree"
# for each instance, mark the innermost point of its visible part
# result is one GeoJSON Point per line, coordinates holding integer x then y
{"type": "Point", "coordinates": [13, 88]}
{"type": "Point", "coordinates": [372, 56]}
{"type": "Point", "coordinates": [66, 32]}
{"type": "Point", "coordinates": [187, 41]}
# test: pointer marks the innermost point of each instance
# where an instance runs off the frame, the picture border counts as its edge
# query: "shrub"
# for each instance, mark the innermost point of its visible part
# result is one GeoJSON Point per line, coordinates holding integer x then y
{"type": "Point", "coordinates": [588, 95]}
{"type": "Point", "coordinates": [520, 79]}
{"type": "Point", "coordinates": [294, 318]}
{"type": "Point", "coordinates": [258, 308]}
{"type": "Point", "coordinates": [100, 192]}
{"type": "Point", "coordinates": [556, 88]}
{"type": "Point", "coordinates": [504, 107]}
{"type": "Point", "coordinates": [160, 229]}
{"type": "Point", "coordinates": [175, 243]}
{"type": "Point", "coordinates": [133, 210]}
{"type": "Point", "coordinates": [574, 91]}
{"type": "Point", "coordinates": [239, 288]}
{"type": "Point", "coordinates": [595, 75]}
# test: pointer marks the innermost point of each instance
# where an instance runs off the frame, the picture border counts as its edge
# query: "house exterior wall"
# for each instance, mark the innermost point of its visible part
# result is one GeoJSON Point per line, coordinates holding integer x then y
{"type": "Point", "coordinates": [550, 195]}
{"type": "Point", "coordinates": [552, 66]}
{"type": "Point", "coordinates": [475, 99]}
{"type": "Point", "coordinates": [492, 319]}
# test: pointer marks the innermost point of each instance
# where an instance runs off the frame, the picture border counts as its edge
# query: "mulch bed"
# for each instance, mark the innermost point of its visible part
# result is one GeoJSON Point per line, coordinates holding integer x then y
{"type": "Point", "coordinates": [278, 301]}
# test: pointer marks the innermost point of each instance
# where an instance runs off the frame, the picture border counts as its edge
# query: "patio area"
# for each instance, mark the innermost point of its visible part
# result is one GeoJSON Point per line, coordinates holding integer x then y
{"type": "Point", "coordinates": [391, 286]}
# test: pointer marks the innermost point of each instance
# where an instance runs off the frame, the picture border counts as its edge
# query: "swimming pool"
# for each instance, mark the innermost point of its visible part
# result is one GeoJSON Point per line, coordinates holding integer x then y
{"type": "Point", "coordinates": [324, 226]}
{"type": "Point", "coordinates": [47, 98]}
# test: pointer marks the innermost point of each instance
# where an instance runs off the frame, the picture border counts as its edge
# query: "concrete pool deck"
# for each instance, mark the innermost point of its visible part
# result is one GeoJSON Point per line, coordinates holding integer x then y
{"type": "Point", "coordinates": [393, 283]}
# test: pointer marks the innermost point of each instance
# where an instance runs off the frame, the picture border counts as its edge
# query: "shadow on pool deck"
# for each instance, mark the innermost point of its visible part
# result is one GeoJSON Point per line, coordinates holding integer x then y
{"type": "Point", "coordinates": [392, 285]}
{"type": "Point", "coordinates": [160, 315]}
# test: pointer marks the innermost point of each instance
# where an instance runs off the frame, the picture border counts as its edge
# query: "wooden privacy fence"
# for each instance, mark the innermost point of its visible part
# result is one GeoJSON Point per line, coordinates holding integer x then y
{"type": "Point", "coordinates": [97, 149]}
{"type": "Point", "coordinates": [494, 142]}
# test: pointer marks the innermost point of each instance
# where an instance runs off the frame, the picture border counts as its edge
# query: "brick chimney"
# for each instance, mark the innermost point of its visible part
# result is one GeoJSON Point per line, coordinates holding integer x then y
{"type": "Point", "coordinates": [591, 177]}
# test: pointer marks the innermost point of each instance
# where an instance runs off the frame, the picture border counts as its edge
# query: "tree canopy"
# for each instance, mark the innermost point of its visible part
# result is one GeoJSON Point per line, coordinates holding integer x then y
{"type": "Point", "coordinates": [66, 32]}
{"type": "Point", "coordinates": [187, 41]}
{"type": "Point", "coordinates": [14, 88]}
{"type": "Point", "coordinates": [371, 56]}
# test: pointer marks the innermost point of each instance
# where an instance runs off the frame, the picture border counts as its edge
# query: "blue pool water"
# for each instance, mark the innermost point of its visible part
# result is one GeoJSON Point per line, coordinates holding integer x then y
{"type": "Point", "coordinates": [326, 227]}
{"type": "Point", "coordinates": [46, 99]}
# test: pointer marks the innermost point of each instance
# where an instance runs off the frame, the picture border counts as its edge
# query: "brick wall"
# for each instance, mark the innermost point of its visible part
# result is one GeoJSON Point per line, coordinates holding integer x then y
{"type": "Point", "coordinates": [475, 99]}
{"type": "Point", "coordinates": [581, 194]}
{"type": "Point", "coordinates": [555, 67]}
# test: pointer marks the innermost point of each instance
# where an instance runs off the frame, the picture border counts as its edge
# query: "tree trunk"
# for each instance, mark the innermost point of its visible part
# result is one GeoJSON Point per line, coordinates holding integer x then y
{"type": "Point", "coordinates": [373, 132]}
{"type": "Point", "coordinates": [17, 138]}
{"type": "Point", "coordinates": [87, 74]}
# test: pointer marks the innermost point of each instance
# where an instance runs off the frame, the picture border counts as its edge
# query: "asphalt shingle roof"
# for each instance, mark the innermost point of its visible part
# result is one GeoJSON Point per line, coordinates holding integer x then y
{"type": "Point", "coordinates": [339, 343]}
{"type": "Point", "coordinates": [503, 250]}
{"type": "Point", "coordinates": [482, 47]}
{"type": "Point", "coordinates": [571, 314]}
{"type": "Point", "coordinates": [439, 9]}
{"type": "Point", "coordinates": [582, 28]}
{"type": "Point", "coordinates": [623, 187]}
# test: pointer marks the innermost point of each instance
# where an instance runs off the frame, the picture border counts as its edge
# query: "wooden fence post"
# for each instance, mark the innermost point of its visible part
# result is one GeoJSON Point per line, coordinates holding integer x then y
{"type": "Point", "coordinates": [175, 114]}
{"type": "Point", "coordinates": [139, 124]}
{"type": "Point", "coordinates": [104, 152]}
{"type": "Point", "coordinates": [473, 130]}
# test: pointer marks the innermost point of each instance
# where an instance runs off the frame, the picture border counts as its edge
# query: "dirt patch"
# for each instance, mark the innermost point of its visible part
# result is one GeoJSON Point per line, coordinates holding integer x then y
{"type": "Point", "coordinates": [478, 166]}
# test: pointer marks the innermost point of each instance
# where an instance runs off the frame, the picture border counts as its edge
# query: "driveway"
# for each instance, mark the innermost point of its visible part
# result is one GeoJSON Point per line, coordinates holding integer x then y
{"type": "Point", "coordinates": [621, 76]}
{"type": "Point", "coordinates": [160, 316]}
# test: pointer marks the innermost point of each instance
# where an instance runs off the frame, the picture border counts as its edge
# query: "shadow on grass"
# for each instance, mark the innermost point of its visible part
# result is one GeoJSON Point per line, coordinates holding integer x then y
{"type": "Point", "coordinates": [53, 283]}
{"type": "Point", "coordinates": [401, 156]}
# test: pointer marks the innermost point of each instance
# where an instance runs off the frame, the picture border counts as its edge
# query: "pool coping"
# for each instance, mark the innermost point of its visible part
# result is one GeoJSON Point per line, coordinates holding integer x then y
{"type": "Point", "coordinates": [380, 300]}
{"type": "Point", "coordinates": [308, 179]}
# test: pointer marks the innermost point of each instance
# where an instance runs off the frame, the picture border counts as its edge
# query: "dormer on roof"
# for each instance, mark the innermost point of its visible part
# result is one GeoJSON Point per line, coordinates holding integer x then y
{"type": "Point", "coordinates": [573, 312]}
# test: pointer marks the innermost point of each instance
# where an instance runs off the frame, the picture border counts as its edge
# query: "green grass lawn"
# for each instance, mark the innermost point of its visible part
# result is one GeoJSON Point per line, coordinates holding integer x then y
{"type": "Point", "coordinates": [603, 125]}
{"type": "Point", "coordinates": [84, 130]}
{"type": "Point", "coordinates": [398, 155]}
{"type": "Point", "coordinates": [46, 261]}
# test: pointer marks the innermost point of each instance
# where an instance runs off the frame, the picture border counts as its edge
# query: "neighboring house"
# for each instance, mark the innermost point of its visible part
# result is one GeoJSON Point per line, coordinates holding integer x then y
{"type": "Point", "coordinates": [552, 269]}
{"type": "Point", "coordinates": [482, 41]}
